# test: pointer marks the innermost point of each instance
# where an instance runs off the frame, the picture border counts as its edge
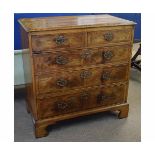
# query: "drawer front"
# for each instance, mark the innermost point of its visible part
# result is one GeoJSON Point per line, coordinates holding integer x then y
{"type": "Point", "coordinates": [63, 40]}
{"type": "Point", "coordinates": [102, 37]}
{"type": "Point", "coordinates": [49, 61]}
{"type": "Point", "coordinates": [115, 54]}
{"type": "Point", "coordinates": [65, 80]}
{"type": "Point", "coordinates": [85, 99]}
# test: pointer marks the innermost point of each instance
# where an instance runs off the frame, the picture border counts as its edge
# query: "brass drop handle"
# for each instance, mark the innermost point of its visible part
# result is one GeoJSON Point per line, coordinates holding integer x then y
{"type": "Point", "coordinates": [101, 98]}
{"type": "Point", "coordinates": [62, 105]}
{"type": "Point", "coordinates": [85, 74]}
{"type": "Point", "coordinates": [107, 55]}
{"type": "Point", "coordinates": [65, 105]}
{"type": "Point", "coordinates": [60, 40]}
{"type": "Point", "coordinates": [108, 36]}
{"type": "Point", "coordinates": [61, 60]}
{"type": "Point", "coordinates": [84, 96]}
{"type": "Point", "coordinates": [104, 97]}
{"type": "Point", "coordinates": [61, 82]}
{"type": "Point", "coordinates": [86, 54]}
{"type": "Point", "coordinates": [106, 76]}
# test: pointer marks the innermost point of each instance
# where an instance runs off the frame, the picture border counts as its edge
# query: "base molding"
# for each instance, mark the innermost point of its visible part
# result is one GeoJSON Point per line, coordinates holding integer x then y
{"type": "Point", "coordinates": [40, 126]}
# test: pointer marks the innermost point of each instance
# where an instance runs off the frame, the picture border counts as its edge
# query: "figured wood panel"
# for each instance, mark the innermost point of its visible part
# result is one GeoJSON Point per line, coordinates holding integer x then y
{"type": "Point", "coordinates": [58, 40]}
{"type": "Point", "coordinates": [68, 22]}
{"type": "Point", "coordinates": [81, 100]}
{"type": "Point", "coordinates": [66, 80]}
{"type": "Point", "coordinates": [28, 74]}
{"type": "Point", "coordinates": [102, 37]}
{"type": "Point", "coordinates": [115, 54]}
{"type": "Point", "coordinates": [47, 61]}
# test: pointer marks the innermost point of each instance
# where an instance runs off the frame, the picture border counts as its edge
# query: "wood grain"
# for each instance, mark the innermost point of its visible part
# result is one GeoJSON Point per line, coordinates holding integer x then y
{"type": "Point", "coordinates": [73, 80]}
{"type": "Point", "coordinates": [76, 66]}
{"type": "Point", "coordinates": [54, 23]}
{"type": "Point", "coordinates": [41, 125]}
{"type": "Point", "coordinates": [81, 100]}
{"type": "Point", "coordinates": [28, 74]}
{"type": "Point", "coordinates": [46, 42]}
{"type": "Point", "coordinates": [100, 37]}
{"type": "Point", "coordinates": [45, 61]}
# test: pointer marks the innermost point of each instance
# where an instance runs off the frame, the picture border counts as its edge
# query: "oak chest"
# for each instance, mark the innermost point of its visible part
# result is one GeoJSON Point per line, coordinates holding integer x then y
{"type": "Point", "coordinates": [75, 66]}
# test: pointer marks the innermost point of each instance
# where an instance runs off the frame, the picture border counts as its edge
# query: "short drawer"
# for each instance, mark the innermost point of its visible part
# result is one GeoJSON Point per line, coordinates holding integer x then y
{"type": "Point", "coordinates": [61, 40]}
{"type": "Point", "coordinates": [81, 100]}
{"type": "Point", "coordinates": [102, 37]}
{"type": "Point", "coordinates": [65, 80]}
{"type": "Point", "coordinates": [47, 61]}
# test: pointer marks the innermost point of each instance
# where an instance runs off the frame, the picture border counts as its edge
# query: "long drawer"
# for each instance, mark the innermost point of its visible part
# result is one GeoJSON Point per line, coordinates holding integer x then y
{"type": "Point", "coordinates": [81, 100]}
{"type": "Point", "coordinates": [47, 61]}
{"type": "Point", "coordinates": [59, 81]}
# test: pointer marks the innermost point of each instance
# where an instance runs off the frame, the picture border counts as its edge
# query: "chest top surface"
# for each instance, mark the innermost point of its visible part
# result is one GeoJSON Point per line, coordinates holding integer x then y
{"type": "Point", "coordinates": [67, 22]}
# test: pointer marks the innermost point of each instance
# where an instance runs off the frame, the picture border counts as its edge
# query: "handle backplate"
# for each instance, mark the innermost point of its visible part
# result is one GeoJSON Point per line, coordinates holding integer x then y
{"type": "Point", "coordinates": [86, 54]}
{"type": "Point", "coordinates": [85, 74]}
{"type": "Point", "coordinates": [105, 76]}
{"type": "Point", "coordinates": [61, 60]}
{"type": "Point", "coordinates": [65, 105]}
{"type": "Point", "coordinates": [101, 98]}
{"type": "Point", "coordinates": [60, 40]}
{"type": "Point", "coordinates": [108, 36]}
{"type": "Point", "coordinates": [61, 82]}
{"type": "Point", "coordinates": [84, 96]}
{"type": "Point", "coordinates": [107, 55]}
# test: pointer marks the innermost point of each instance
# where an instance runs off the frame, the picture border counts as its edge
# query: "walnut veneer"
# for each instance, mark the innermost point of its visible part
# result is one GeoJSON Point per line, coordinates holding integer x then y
{"type": "Point", "coordinates": [75, 66]}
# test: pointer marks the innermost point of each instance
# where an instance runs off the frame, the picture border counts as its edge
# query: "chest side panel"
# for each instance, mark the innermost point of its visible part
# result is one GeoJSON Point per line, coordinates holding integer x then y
{"type": "Point", "coordinates": [29, 73]}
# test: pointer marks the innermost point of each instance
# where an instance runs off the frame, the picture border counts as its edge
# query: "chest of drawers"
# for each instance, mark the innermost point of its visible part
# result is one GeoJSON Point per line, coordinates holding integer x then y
{"type": "Point", "coordinates": [75, 66]}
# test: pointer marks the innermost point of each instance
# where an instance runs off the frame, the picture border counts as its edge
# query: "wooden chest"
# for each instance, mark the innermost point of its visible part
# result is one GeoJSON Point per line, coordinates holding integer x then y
{"type": "Point", "coordinates": [75, 66]}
